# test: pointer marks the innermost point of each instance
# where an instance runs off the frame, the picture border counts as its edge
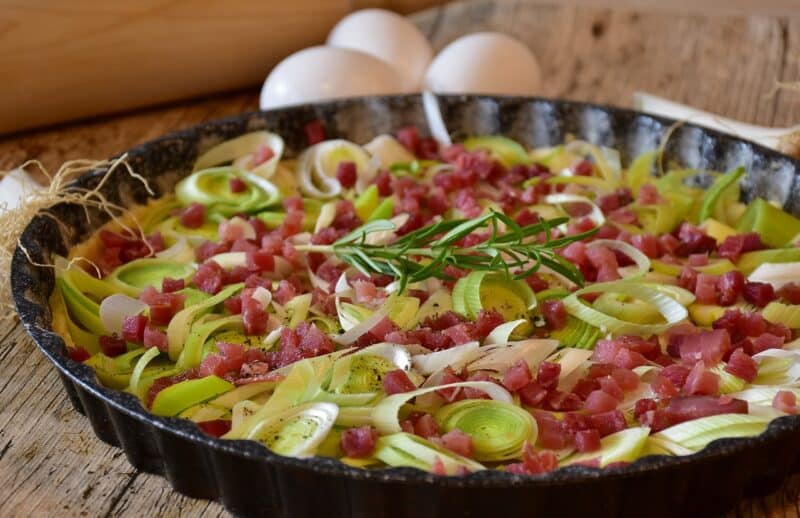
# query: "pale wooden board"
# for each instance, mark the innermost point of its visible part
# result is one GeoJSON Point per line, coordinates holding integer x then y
{"type": "Point", "coordinates": [51, 463]}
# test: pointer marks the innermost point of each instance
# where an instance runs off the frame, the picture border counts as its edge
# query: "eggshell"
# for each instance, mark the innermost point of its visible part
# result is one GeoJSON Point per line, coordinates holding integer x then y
{"type": "Point", "coordinates": [485, 62]}
{"type": "Point", "coordinates": [318, 73]}
{"type": "Point", "coordinates": [387, 36]}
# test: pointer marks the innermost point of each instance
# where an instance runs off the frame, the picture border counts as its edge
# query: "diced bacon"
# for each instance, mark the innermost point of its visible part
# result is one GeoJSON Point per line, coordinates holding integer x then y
{"type": "Point", "coordinates": [644, 405]}
{"type": "Point", "coordinates": [396, 382]}
{"type": "Point", "coordinates": [584, 387]}
{"type": "Point", "coordinates": [587, 440]}
{"type": "Point", "coordinates": [409, 137]}
{"type": "Point", "coordinates": [647, 244]}
{"type": "Point", "coordinates": [563, 401]}
{"type": "Point", "coordinates": [487, 320]}
{"type": "Point", "coordinates": [650, 349]}
{"type": "Point", "coordinates": [740, 364]}
{"type": "Point", "coordinates": [648, 195]}
{"type": "Point", "coordinates": [668, 244]}
{"type": "Point", "coordinates": [260, 261]}
{"type": "Point", "coordinates": [624, 215]}
{"type": "Point", "coordinates": [664, 388]}
{"type": "Point", "coordinates": [628, 358]}
{"type": "Point", "coordinates": [471, 393]}
{"type": "Point", "coordinates": [359, 442]}
{"type": "Point", "coordinates": [785, 401]}
{"type": "Point", "coordinates": [547, 374]}
{"type": "Point", "coordinates": [458, 442]}
{"type": "Point", "coordinates": [767, 341]}
{"type": "Point", "coordinates": [605, 351]}
{"type": "Point", "coordinates": [254, 316]}
{"type": "Point", "coordinates": [708, 346]}
{"type": "Point", "coordinates": [517, 376]}
{"type": "Point", "coordinates": [626, 379]}
{"type": "Point", "coordinates": [365, 291]}
{"type": "Point", "coordinates": [688, 279]}
{"type": "Point", "coordinates": [237, 185]}
{"type": "Point", "coordinates": [694, 241]}
{"type": "Point", "coordinates": [442, 321]}
{"type": "Point", "coordinates": [736, 245]}
{"type": "Point", "coordinates": [680, 409]}
{"type": "Point", "coordinates": [780, 330]}
{"type": "Point", "coordinates": [677, 374]}
{"type": "Point", "coordinates": [696, 260]}
{"type": "Point", "coordinates": [154, 338]}
{"type": "Point", "coordinates": [600, 368]}
{"type": "Point", "coordinates": [701, 381]}
{"type": "Point", "coordinates": [314, 131]}
{"type": "Point", "coordinates": [555, 314]}
{"type": "Point", "coordinates": [215, 427]}
{"type": "Point", "coordinates": [758, 293]}
{"type": "Point", "coordinates": [536, 463]}
{"type": "Point", "coordinates": [729, 286]}
{"type": "Point", "coordinates": [313, 342]}
{"type": "Point", "coordinates": [261, 155]}
{"type": "Point", "coordinates": [193, 216]}
{"type": "Point", "coordinates": [208, 277]}
{"type": "Point", "coordinates": [78, 354]}
{"type": "Point", "coordinates": [426, 426]}
{"type": "Point", "coordinates": [536, 282]}
{"type": "Point", "coordinates": [532, 394]}
{"type": "Point", "coordinates": [461, 333]}
{"type": "Point", "coordinates": [608, 422]}
{"type": "Point", "coordinates": [347, 174]}
{"type": "Point", "coordinates": [172, 285]}
{"type": "Point", "coordinates": [552, 433]}
{"type": "Point", "coordinates": [235, 275]}
{"type": "Point", "coordinates": [285, 292]}
{"type": "Point", "coordinates": [706, 288]}
{"type": "Point", "coordinates": [209, 249]}
{"type": "Point", "coordinates": [133, 328]}
{"type": "Point", "coordinates": [233, 305]}
{"type": "Point", "coordinates": [575, 253]}
{"type": "Point", "coordinates": [656, 420]}
{"type": "Point", "coordinates": [790, 293]}
{"type": "Point", "coordinates": [600, 401]}
{"type": "Point", "coordinates": [612, 388]}
{"type": "Point", "coordinates": [292, 223]}
{"type": "Point", "coordinates": [112, 345]}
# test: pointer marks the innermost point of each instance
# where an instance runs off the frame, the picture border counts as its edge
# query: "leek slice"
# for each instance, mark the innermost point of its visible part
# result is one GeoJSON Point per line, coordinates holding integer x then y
{"type": "Point", "coordinates": [385, 413]}
{"type": "Point", "coordinates": [354, 416]}
{"type": "Point", "coordinates": [706, 314]}
{"type": "Point", "coordinates": [501, 357]}
{"type": "Point", "coordinates": [172, 230]}
{"type": "Point", "coordinates": [243, 147]}
{"type": "Point", "coordinates": [180, 325]}
{"type": "Point", "coordinates": [438, 302]}
{"type": "Point", "coordinates": [775, 226]}
{"type": "Point", "coordinates": [640, 171]}
{"type": "Point", "coordinates": [749, 261]}
{"type": "Point", "coordinates": [498, 430]}
{"type": "Point", "coordinates": [728, 382]}
{"type": "Point", "coordinates": [513, 299]}
{"type": "Point", "coordinates": [406, 450]}
{"type": "Point", "coordinates": [596, 215]}
{"type": "Point", "coordinates": [507, 151]}
{"type": "Point", "coordinates": [719, 231]}
{"type": "Point", "coordinates": [779, 313]}
{"type": "Point", "coordinates": [623, 446]}
{"type": "Point", "coordinates": [141, 364]}
{"type": "Point", "coordinates": [672, 311]}
{"type": "Point", "coordinates": [81, 308]}
{"type": "Point", "coordinates": [576, 333]}
{"type": "Point", "coordinates": [714, 267]}
{"type": "Point", "coordinates": [388, 151]}
{"type": "Point", "coordinates": [211, 187]}
{"type": "Point", "coordinates": [97, 289]}
{"type": "Point", "coordinates": [455, 357]}
{"type": "Point", "coordinates": [176, 398]}
{"type": "Point", "coordinates": [606, 160]}
{"type": "Point", "coordinates": [762, 395]}
{"type": "Point", "coordinates": [367, 202]}
{"type": "Point", "coordinates": [204, 412]}
{"type": "Point", "coordinates": [697, 433]}
{"type": "Point", "coordinates": [363, 371]}
{"type": "Point", "coordinates": [626, 308]}
{"type": "Point", "coordinates": [724, 188]}
{"type": "Point", "coordinates": [778, 367]}
{"type": "Point", "coordinates": [131, 278]}
{"type": "Point", "coordinates": [229, 399]}
{"type": "Point", "coordinates": [297, 431]}
{"type": "Point", "coordinates": [316, 167]}
{"type": "Point", "coordinates": [502, 333]}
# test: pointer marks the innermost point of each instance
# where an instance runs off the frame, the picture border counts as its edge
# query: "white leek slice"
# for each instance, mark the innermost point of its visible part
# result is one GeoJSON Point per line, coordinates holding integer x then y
{"type": "Point", "coordinates": [779, 313]}
{"type": "Point", "coordinates": [777, 274]}
{"type": "Point", "coordinates": [500, 358]}
{"type": "Point", "coordinates": [572, 361]}
{"type": "Point", "coordinates": [366, 362]}
{"type": "Point", "coordinates": [179, 252]}
{"type": "Point", "coordinates": [406, 450]}
{"type": "Point", "coordinates": [350, 416]}
{"type": "Point", "coordinates": [778, 367]}
{"type": "Point", "coordinates": [350, 315]}
{"type": "Point", "coordinates": [242, 410]}
{"type": "Point", "coordinates": [455, 357]}
{"type": "Point", "coordinates": [385, 413]}
{"type": "Point", "coordinates": [316, 167]}
{"type": "Point", "coordinates": [761, 395]}
{"type": "Point", "coordinates": [297, 431]}
{"type": "Point", "coordinates": [134, 384]}
{"type": "Point", "coordinates": [622, 446]}
{"type": "Point", "coordinates": [388, 151]}
{"type": "Point", "coordinates": [230, 260]}
{"type": "Point", "coordinates": [247, 230]}
{"type": "Point", "coordinates": [697, 433]}
{"type": "Point", "coordinates": [672, 311]}
{"type": "Point", "coordinates": [229, 399]}
{"type": "Point", "coordinates": [641, 260]}
{"type": "Point", "coordinates": [116, 308]}
{"type": "Point", "coordinates": [241, 150]}
{"type": "Point", "coordinates": [433, 116]}
{"type": "Point", "coordinates": [502, 333]}
{"type": "Point", "coordinates": [499, 430]}
{"type": "Point", "coordinates": [596, 215]}
{"type": "Point", "coordinates": [326, 216]}
{"type": "Point", "coordinates": [661, 446]}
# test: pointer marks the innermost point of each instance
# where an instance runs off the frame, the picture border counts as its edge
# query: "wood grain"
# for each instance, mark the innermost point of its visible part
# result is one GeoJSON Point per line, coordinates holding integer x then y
{"type": "Point", "coordinates": [51, 463]}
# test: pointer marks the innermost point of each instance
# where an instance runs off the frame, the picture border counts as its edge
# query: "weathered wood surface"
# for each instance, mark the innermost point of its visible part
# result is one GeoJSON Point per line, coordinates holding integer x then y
{"type": "Point", "coordinates": [50, 461]}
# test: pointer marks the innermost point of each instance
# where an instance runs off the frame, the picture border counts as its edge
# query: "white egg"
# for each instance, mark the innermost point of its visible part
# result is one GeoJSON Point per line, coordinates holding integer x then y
{"type": "Point", "coordinates": [486, 63]}
{"type": "Point", "coordinates": [387, 36]}
{"type": "Point", "coordinates": [319, 73]}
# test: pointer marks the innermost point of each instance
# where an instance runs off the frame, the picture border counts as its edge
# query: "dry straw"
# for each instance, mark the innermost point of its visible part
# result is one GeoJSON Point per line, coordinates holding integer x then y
{"type": "Point", "coordinates": [37, 202]}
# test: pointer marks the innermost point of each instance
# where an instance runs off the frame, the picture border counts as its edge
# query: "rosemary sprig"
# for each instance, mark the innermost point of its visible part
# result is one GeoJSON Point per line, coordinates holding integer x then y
{"type": "Point", "coordinates": [426, 252]}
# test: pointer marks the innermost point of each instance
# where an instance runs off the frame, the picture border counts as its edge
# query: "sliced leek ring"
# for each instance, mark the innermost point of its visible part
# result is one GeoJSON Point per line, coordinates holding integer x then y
{"type": "Point", "coordinates": [241, 150]}
{"type": "Point", "coordinates": [297, 431]}
{"type": "Point", "coordinates": [406, 450]}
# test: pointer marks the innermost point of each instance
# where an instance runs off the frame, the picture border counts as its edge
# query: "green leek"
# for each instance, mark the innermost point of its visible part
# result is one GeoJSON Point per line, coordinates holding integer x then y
{"type": "Point", "coordinates": [176, 398]}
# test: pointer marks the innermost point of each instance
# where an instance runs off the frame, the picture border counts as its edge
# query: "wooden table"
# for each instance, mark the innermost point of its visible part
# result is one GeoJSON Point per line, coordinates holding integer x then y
{"type": "Point", "coordinates": [50, 461]}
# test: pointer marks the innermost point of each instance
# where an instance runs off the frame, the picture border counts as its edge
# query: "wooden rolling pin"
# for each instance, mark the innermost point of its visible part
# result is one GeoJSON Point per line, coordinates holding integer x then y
{"type": "Point", "coordinates": [67, 60]}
